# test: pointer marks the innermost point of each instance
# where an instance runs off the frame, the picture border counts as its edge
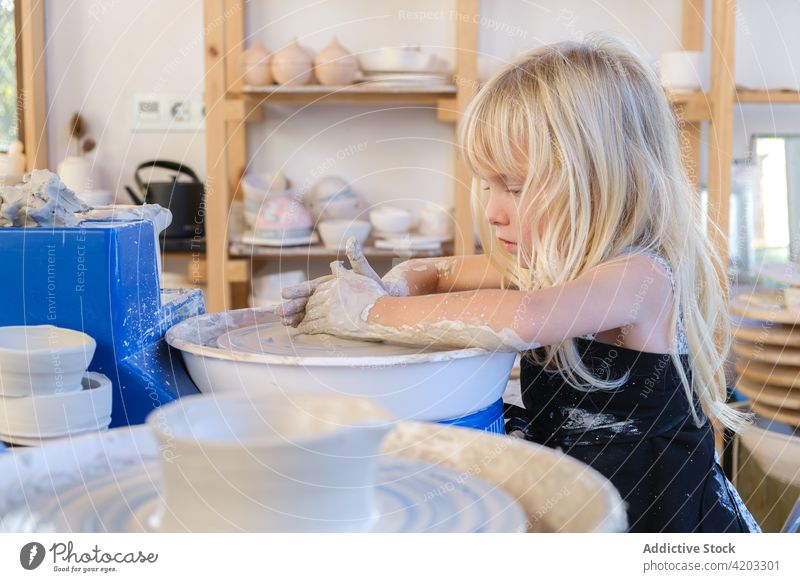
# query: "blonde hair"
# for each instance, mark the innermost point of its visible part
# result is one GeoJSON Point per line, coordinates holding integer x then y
{"type": "Point", "coordinates": [586, 127]}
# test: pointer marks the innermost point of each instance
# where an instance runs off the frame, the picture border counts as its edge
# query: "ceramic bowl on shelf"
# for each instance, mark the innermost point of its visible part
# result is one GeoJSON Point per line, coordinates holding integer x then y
{"type": "Point", "coordinates": [282, 216]}
{"type": "Point", "coordinates": [682, 71]}
{"type": "Point", "coordinates": [58, 414]}
{"type": "Point", "coordinates": [42, 359]}
{"type": "Point", "coordinates": [388, 219]}
{"type": "Point", "coordinates": [281, 463]}
{"type": "Point", "coordinates": [331, 198]}
{"type": "Point", "coordinates": [400, 59]}
{"type": "Point", "coordinates": [335, 233]}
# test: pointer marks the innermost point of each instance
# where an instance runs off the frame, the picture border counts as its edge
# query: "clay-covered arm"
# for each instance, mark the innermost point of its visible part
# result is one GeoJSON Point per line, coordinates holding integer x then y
{"type": "Point", "coordinates": [441, 275]}
{"type": "Point", "coordinates": [605, 298]}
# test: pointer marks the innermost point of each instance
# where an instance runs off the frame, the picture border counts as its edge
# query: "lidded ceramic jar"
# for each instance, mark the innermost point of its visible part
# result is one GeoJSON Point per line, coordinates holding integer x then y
{"type": "Point", "coordinates": [292, 65]}
{"type": "Point", "coordinates": [335, 65]}
{"type": "Point", "coordinates": [255, 65]}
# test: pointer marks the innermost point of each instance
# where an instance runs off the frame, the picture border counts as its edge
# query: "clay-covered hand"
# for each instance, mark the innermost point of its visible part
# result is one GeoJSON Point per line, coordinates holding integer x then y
{"type": "Point", "coordinates": [341, 305]}
{"type": "Point", "coordinates": [293, 309]}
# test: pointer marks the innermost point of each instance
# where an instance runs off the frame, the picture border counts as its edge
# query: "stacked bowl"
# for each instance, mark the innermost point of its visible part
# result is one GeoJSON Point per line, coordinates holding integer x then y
{"type": "Point", "coordinates": [272, 210]}
{"type": "Point", "coordinates": [45, 391]}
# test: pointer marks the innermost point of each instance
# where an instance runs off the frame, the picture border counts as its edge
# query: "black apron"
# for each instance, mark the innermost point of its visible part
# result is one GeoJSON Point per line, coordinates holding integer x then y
{"type": "Point", "coordinates": [641, 436]}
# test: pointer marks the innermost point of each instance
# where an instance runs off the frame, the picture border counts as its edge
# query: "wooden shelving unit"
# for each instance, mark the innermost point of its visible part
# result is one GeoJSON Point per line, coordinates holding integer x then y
{"type": "Point", "coordinates": [230, 105]}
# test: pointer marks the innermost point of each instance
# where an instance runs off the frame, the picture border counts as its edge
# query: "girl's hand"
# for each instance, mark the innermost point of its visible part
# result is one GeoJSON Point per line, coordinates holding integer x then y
{"type": "Point", "coordinates": [293, 310]}
{"type": "Point", "coordinates": [340, 306]}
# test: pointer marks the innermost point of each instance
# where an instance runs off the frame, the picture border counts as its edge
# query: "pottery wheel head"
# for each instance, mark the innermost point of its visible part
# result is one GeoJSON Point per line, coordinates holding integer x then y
{"type": "Point", "coordinates": [277, 339]}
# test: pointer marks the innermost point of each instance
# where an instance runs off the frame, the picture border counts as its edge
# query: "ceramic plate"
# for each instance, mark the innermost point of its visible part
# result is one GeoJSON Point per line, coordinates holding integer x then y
{"type": "Point", "coordinates": [252, 239]}
{"type": "Point", "coordinates": [110, 484]}
{"type": "Point", "coordinates": [277, 339]}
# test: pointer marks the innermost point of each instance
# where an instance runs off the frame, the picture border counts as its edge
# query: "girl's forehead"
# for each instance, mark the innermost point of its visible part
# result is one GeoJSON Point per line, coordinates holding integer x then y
{"type": "Point", "coordinates": [489, 176]}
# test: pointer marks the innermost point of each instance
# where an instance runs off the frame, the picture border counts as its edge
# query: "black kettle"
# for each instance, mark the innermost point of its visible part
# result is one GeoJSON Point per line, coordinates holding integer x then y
{"type": "Point", "coordinates": [183, 198]}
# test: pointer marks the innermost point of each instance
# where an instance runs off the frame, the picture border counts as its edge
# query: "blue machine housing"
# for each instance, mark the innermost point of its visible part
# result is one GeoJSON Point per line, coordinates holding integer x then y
{"type": "Point", "coordinates": [101, 278]}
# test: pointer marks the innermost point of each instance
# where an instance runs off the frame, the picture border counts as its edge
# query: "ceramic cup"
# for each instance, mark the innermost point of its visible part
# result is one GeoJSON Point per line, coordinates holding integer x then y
{"type": "Point", "coordinates": [60, 414]}
{"type": "Point", "coordinates": [42, 359]}
{"type": "Point", "coordinates": [682, 71]}
{"type": "Point", "coordinates": [272, 463]}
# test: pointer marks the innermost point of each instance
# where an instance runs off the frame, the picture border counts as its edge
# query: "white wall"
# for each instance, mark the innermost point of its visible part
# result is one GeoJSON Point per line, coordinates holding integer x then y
{"type": "Point", "coordinates": [101, 52]}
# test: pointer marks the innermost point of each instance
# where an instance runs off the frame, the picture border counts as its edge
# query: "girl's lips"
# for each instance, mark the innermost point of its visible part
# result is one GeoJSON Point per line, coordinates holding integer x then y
{"type": "Point", "coordinates": [510, 246]}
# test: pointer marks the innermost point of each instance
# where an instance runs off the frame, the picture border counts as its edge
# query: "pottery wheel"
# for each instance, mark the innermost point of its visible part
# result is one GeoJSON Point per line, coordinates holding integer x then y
{"type": "Point", "coordinates": [277, 339]}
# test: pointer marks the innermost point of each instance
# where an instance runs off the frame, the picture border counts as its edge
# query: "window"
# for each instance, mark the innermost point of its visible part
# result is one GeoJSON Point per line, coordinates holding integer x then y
{"type": "Point", "coordinates": [9, 124]}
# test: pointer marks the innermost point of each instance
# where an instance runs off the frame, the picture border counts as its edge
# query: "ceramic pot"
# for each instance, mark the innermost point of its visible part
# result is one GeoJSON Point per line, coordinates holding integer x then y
{"type": "Point", "coordinates": [335, 233]}
{"type": "Point", "coordinates": [335, 65]}
{"type": "Point", "coordinates": [303, 463]}
{"type": "Point", "coordinates": [435, 220]}
{"type": "Point", "coordinates": [59, 414]}
{"type": "Point", "coordinates": [255, 65]}
{"type": "Point", "coordinates": [292, 65]}
{"type": "Point", "coordinates": [76, 173]}
{"type": "Point", "coordinates": [42, 359]}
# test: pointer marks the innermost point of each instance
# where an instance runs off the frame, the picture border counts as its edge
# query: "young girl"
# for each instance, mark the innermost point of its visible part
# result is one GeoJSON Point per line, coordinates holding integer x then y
{"type": "Point", "coordinates": [596, 268]}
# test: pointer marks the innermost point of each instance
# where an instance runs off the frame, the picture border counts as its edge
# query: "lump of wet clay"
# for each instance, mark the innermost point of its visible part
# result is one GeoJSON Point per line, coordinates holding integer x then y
{"type": "Point", "coordinates": [41, 200]}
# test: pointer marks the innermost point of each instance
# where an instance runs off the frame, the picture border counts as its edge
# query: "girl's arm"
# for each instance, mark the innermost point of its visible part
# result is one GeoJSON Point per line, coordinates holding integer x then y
{"type": "Point", "coordinates": [441, 275]}
{"type": "Point", "coordinates": [413, 277]}
{"type": "Point", "coordinates": [608, 297]}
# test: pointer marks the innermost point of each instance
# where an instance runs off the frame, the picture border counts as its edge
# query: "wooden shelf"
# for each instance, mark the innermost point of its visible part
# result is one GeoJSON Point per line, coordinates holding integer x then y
{"type": "Point", "coordinates": [773, 96]}
{"type": "Point", "coordinates": [357, 93]}
{"type": "Point", "coordinates": [691, 106]}
{"type": "Point", "coordinates": [317, 251]}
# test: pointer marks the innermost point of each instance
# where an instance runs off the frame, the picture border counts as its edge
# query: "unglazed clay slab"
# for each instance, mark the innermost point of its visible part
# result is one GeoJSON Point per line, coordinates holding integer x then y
{"type": "Point", "coordinates": [787, 376]}
{"type": "Point", "coordinates": [764, 306]}
{"type": "Point", "coordinates": [777, 396]}
{"type": "Point", "coordinates": [411, 495]}
{"type": "Point", "coordinates": [776, 334]}
{"type": "Point", "coordinates": [769, 354]}
{"type": "Point", "coordinates": [278, 339]}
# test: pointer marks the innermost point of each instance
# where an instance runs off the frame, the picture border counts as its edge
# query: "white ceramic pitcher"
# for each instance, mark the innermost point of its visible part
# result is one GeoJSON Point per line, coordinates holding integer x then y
{"type": "Point", "coordinates": [273, 463]}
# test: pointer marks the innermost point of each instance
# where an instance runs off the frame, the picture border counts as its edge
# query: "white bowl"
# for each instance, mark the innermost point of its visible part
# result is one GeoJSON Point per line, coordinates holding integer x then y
{"type": "Point", "coordinates": [280, 463]}
{"type": "Point", "coordinates": [42, 359]}
{"type": "Point", "coordinates": [329, 187]}
{"type": "Point", "coordinates": [338, 208]}
{"type": "Point", "coordinates": [257, 186]}
{"type": "Point", "coordinates": [335, 233]}
{"type": "Point", "coordinates": [421, 385]}
{"type": "Point", "coordinates": [390, 220]}
{"type": "Point", "coordinates": [97, 197]}
{"type": "Point", "coordinates": [405, 59]}
{"type": "Point", "coordinates": [61, 414]}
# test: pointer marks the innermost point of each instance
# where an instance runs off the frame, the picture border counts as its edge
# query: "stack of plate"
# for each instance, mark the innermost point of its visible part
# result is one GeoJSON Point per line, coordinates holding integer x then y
{"type": "Point", "coordinates": [45, 391]}
{"type": "Point", "coordinates": [767, 349]}
{"type": "Point", "coordinates": [403, 66]}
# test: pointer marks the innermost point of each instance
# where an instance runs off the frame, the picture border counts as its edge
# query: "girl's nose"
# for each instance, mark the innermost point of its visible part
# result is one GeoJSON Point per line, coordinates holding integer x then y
{"type": "Point", "coordinates": [495, 213]}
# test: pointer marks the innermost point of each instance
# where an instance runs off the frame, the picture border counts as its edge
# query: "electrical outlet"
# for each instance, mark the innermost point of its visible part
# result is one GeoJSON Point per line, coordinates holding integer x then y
{"type": "Point", "coordinates": [167, 113]}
